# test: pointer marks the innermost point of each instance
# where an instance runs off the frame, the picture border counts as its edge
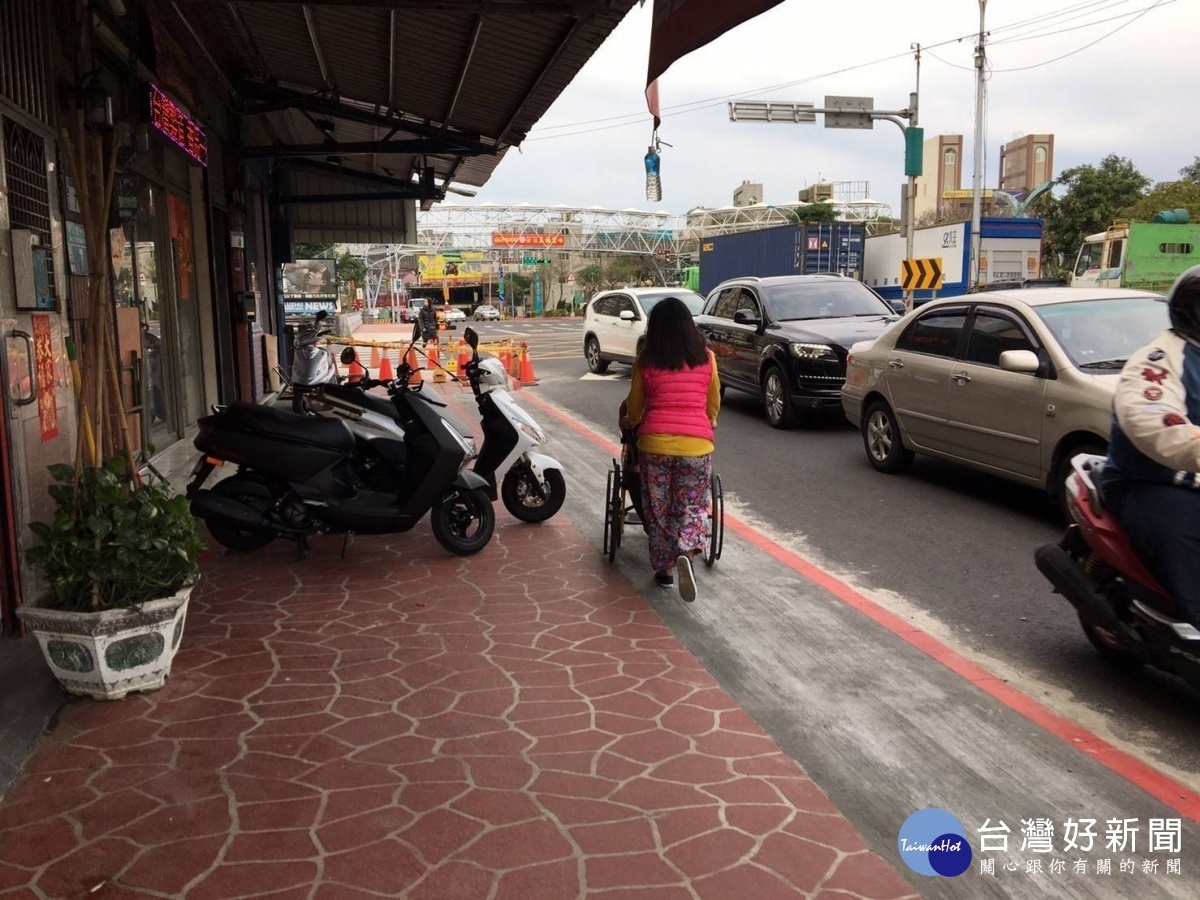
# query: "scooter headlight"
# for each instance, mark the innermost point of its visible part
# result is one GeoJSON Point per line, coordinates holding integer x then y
{"type": "Point", "coordinates": [467, 444]}
{"type": "Point", "coordinates": [533, 431]}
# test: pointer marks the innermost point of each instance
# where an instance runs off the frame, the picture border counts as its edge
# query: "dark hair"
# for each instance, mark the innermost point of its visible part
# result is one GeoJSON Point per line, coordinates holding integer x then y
{"type": "Point", "coordinates": [672, 339]}
{"type": "Point", "coordinates": [1183, 301]}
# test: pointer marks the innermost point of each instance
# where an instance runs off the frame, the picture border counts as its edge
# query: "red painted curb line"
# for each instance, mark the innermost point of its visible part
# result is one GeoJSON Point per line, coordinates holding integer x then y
{"type": "Point", "coordinates": [1179, 797]}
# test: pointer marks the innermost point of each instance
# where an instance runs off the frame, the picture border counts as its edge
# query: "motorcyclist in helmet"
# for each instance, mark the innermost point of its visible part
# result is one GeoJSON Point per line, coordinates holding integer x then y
{"type": "Point", "coordinates": [1152, 478]}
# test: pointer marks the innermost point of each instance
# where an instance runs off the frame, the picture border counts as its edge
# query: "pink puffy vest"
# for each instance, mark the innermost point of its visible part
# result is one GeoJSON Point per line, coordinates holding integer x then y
{"type": "Point", "coordinates": [677, 401]}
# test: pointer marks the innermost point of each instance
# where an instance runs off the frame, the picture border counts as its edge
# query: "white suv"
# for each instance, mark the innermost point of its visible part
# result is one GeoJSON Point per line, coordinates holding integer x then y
{"type": "Point", "coordinates": [614, 321]}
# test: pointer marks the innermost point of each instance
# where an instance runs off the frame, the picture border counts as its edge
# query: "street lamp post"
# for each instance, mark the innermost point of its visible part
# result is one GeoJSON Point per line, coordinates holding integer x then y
{"type": "Point", "coordinates": [977, 183]}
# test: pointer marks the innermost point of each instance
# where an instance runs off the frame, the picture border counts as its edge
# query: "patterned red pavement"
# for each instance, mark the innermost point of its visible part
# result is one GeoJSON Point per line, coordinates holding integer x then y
{"type": "Point", "coordinates": [518, 725]}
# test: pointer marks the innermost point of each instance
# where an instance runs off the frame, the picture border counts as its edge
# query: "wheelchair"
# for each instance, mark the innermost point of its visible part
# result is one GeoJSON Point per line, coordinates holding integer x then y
{"type": "Point", "coordinates": [623, 495]}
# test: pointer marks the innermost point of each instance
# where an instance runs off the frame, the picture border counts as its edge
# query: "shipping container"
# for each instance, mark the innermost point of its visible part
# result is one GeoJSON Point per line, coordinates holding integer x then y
{"type": "Point", "coordinates": [1010, 250]}
{"type": "Point", "coordinates": [812, 249]}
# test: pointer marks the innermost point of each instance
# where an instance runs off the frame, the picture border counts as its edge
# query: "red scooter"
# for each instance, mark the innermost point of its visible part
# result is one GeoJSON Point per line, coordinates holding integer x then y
{"type": "Point", "coordinates": [1124, 611]}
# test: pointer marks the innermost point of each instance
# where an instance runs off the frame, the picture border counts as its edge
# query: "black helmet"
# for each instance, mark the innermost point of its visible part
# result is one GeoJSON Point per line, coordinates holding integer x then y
{"type": "Point", "coordinates": [1183, 301]}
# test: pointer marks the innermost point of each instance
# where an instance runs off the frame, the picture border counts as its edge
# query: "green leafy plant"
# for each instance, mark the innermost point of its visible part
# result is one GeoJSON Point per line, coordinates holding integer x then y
{"type": "Point", "coordinates": [114, 542]}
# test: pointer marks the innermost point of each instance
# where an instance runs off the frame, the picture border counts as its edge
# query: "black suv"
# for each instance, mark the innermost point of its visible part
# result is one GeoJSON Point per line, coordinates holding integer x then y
{"type": "Point", "coordinates": [786, 338]}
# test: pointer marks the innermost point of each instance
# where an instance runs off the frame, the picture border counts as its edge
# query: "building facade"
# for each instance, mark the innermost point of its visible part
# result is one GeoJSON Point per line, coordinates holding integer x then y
{"type": "Point", "coordinates": [748, 194]}
{"type": "Point", "coordinates": [942, 162]}
{"type": "Point", "coordinates": [1026, 163]}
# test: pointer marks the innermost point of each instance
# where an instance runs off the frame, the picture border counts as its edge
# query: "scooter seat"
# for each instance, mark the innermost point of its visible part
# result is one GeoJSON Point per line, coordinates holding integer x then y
{"type": "Point", "coordinates": [279, 423]}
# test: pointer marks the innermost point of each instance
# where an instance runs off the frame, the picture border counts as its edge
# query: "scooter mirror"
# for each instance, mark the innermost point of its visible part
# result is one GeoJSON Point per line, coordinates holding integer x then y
{"type": "Point", "coordinates": [322, 314]}
{"type": "Point", "coordinates": [348, 356]}
{"type": "Point", "coordinates": [416, 335]}
{"type": "Point", "coordinates": [472, 338]}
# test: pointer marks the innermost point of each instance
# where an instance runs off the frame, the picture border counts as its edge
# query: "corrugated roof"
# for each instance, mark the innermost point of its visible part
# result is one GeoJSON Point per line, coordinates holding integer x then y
{"type": "Point", "coordinates": [403, 66]}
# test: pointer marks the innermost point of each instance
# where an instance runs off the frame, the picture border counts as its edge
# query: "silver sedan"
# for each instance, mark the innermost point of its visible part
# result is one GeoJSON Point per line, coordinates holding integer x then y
{"type": "Point", "coordinates": [1013, 383]}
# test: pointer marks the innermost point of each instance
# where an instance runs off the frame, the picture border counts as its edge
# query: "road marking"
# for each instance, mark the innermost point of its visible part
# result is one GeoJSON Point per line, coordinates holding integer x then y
{"type": "Point", "coordinates": [1177, 796]}
{"type": "Point", "coordinates": [592, 376]}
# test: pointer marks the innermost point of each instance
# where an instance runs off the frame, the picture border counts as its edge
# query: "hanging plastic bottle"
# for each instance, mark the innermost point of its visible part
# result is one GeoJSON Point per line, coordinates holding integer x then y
{"type": "Point", "coordinates": [653, 181]}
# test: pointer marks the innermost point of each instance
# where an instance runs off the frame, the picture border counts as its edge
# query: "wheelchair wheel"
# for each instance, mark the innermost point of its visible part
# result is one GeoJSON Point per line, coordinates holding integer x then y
{"type": "Point", "coordinates": [614, 512]}
{"type": "Point", "coordinates": [716, 521]}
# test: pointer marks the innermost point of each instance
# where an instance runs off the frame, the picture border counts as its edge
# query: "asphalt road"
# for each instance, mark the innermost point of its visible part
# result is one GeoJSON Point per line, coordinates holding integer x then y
{"type": "Point", "coordinates": [947, 548]}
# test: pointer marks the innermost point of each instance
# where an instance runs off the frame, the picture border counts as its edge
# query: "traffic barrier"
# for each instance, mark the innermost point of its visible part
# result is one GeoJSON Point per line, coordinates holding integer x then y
{"type": "Point", "coordinates": [439, 374]}
{"type": "Point", "coordinates": [514, 364]}
{"type": "Point", "coordinates": [527, 377]}
{"type": "Point", "coordinates": [505, 357]}
{"type": "Point", "coordinates": [414, 366]}
{"type": "Point", "coordinates": [357, 372]}
{"type": "Point", "coordinates": [464, 357]}
{"type": "Point", "coordinates": [385, 367]}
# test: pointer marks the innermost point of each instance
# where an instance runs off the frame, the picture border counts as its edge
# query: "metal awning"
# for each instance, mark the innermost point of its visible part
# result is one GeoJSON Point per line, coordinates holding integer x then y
{"type": "Point", "coordinates": [408, 98]}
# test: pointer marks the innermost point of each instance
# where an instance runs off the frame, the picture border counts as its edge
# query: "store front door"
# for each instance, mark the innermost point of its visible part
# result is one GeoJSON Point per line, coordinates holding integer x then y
{"type": "Point", "coordinates": [160, 255]}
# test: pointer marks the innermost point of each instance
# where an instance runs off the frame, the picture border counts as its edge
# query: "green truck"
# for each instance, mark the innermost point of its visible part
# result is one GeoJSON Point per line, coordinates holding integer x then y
{"type": "Point", "coordinates": [1146, 255]}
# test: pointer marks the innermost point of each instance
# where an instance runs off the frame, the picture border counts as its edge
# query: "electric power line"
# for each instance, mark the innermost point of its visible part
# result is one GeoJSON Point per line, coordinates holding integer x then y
{"type": "Point", "coordinates": [639, 119]}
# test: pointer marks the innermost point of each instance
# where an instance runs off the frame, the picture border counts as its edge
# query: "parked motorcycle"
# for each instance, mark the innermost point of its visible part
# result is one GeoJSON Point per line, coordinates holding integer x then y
{"type": "Point", "coordinates": [533, 488]}
{"type": "Point", "coordinates": [312, 364]}
{"type": "Point", "coordinates": [1128, 617]}
{"type": "Point", "coordinates": [300, 475]}
{"type": "Point", "coordinates": [531, 484]}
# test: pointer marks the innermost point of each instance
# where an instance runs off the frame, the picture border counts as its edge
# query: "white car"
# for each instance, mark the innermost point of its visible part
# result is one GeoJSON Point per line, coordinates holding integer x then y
{"type": "Point", "coordinates": [614, 320]}
{"type": "Point", "coordinates": [455, 315]}
{"type": "Point", "coordinates": [1013, 383]}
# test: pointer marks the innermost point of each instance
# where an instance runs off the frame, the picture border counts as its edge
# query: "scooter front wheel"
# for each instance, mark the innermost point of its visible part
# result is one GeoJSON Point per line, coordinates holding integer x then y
{"type": "Point", "coordinates": [522, 495]}
{"type": "Point", "coordinates": [463, 521]}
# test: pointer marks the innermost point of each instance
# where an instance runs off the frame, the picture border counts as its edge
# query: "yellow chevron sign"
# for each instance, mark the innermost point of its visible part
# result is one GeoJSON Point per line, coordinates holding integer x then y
{"type": "Point", "coordinates": [921, 274]}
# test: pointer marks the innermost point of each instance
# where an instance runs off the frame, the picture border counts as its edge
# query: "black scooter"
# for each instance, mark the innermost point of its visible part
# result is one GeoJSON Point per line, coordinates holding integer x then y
{"type": "Point", "coordinates": [302, 475]}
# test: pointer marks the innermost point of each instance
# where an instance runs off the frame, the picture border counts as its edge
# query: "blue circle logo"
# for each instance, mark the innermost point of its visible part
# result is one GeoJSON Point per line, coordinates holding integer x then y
{"type": "Point", "coordinates": [933, 842]}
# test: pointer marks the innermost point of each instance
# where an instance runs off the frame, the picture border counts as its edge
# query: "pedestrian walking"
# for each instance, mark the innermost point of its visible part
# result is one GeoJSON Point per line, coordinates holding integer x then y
{"type": "Point", "coordinates": [427, 318]}
{"type": "Point", "coordinates": [674, 398]}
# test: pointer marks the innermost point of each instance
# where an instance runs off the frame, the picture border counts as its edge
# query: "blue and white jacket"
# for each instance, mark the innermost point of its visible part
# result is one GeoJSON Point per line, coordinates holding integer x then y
{"type": "Point", "coordinates": [1155, 435]}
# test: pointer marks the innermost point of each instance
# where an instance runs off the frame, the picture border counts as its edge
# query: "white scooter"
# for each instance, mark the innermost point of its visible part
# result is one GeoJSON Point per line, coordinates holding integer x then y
{"type": "Point", "coordinates": [533, 488]}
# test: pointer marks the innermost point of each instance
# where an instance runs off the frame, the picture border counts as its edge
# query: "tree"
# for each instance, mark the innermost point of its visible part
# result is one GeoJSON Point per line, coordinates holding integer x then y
{"type": "Point", "coordinates": [1093, 197]}
{"type": "Point", "coordinates": [351, 273]}
{"type": "Point", "coordinates": [1166, 195]}
{"type": "Point", "coordinates": [1191, 172]}
{"type": "Point", "coordinates": [814, 212]}
{"type": "Point", "coordinates": [313, 251]}
{"type": "Point", "coordinates": [590, 278]}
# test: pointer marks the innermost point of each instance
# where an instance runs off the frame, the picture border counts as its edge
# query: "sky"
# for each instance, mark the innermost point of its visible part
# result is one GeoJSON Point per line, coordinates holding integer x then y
{"type": "Point", "coordinates": [1102, 76]}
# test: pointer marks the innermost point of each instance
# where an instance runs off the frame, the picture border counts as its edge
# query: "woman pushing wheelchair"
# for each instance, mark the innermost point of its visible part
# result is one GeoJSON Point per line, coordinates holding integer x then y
{"type": "Point", "coordinates": [674, 398]}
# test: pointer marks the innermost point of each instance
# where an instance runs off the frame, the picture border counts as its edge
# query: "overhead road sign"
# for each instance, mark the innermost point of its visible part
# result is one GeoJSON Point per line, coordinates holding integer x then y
{"type": "Point", "coordinates": [755, 111]}
{"type": "Point", "coordinates": [921, 274]}
{"type": "Point", "coordinates": [853, 112]}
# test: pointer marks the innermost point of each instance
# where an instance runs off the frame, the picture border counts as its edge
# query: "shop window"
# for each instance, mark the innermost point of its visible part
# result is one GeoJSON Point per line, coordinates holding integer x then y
{"type": "Point", "coordinates": [28, 187]}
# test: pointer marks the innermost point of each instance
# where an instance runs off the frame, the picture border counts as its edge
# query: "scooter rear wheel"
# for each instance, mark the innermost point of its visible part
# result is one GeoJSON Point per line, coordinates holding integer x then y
{"type": "Point", "coordinates": [1108, 646]}
{"type": "Point", "coordinates": [463, 521]}
{"type": "Point", "coordinates": [523, 498]}
{"type": "Point", "coordinates": [252, 492]}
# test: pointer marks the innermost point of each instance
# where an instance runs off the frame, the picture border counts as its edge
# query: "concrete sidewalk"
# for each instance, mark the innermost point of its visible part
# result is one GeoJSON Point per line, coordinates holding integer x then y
{"type": "Point", "coordinates": [518, 724]}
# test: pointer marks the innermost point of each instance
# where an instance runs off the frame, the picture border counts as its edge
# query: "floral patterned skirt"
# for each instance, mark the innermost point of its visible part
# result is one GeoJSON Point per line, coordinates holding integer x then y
{"type": "Point", "coordinates": [675, 493]}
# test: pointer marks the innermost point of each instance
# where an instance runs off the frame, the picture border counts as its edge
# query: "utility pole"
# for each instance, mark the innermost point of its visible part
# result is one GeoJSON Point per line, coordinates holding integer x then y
{"type": "Point", "coordinates": [977, 183]}
{"type": "Point", "coordinates": [911, 200]}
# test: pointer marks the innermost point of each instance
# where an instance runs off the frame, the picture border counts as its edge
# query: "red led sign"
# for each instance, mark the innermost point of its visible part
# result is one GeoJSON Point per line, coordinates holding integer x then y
{"type": "Point", "coordinates": [180, 130]}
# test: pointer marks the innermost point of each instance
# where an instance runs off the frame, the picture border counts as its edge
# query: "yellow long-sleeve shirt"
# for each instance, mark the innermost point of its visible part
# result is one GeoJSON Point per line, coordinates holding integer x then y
{"type": "Point", "coordinates": [671, 444]}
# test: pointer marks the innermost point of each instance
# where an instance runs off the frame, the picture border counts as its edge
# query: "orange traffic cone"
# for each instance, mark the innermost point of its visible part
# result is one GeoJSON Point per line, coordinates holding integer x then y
{"type": "Point", "coordinates": [435, 363]}
{"type": "Point", "coordinates": [464, 357]}
{"type": "Point", "coordinates": [385, 367]}
{"type": "Point", "coordinates": [357, 372]}
{"type": "Point", "coordinates": [414, 366]}
{"type": "Point", "coordinates": [505, 358]}
{"type": "Point", "coordinates": [375, 358]}
{"type": "Point", "coordinates": [514, 364]}
{"type": "Point", "coordinates": [527, 376]}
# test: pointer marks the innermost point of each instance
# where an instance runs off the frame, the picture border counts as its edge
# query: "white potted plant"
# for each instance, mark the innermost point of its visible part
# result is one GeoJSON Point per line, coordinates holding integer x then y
{"type": "Point", "coordinates": [120, 559]}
